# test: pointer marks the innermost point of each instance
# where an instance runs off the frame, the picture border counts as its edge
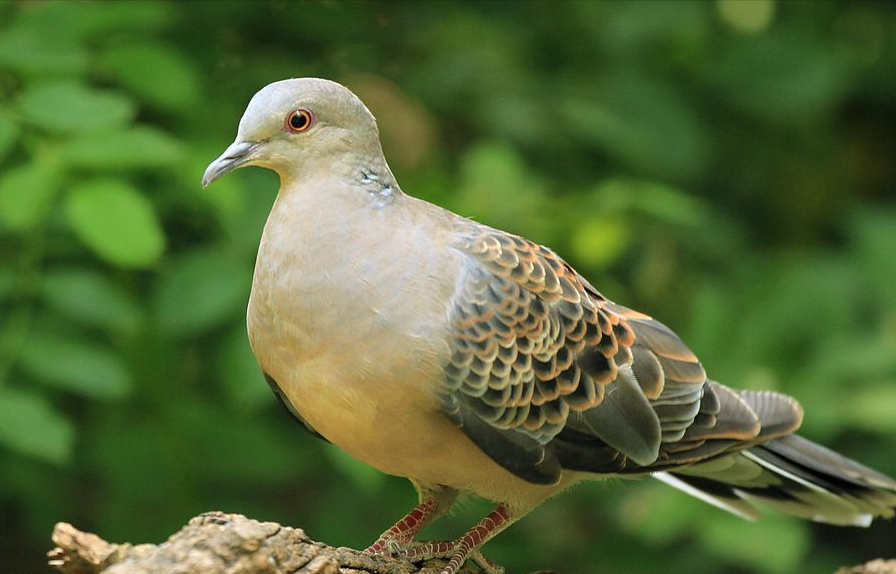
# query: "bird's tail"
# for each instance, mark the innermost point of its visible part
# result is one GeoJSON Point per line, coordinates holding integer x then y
{"type": "Point", "coordinates": [795, 476]}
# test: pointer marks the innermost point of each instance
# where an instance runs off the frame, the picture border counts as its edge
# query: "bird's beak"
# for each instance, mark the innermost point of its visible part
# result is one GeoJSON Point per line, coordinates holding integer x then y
{"type": "Point", "coordinates": [237, 155]}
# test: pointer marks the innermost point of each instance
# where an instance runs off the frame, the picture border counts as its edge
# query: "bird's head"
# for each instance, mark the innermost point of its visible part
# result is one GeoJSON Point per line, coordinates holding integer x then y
{"type": "Point", "coordinates": [290, 126]}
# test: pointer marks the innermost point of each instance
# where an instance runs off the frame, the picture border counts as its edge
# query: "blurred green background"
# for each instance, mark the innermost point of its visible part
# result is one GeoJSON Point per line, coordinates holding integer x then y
{"type": "Point", "coordinates": [726, 166]}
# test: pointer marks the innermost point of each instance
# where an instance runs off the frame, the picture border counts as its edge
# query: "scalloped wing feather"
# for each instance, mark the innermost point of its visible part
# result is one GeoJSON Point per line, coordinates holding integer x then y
{"type": "Point", "coordinates": [562, 377]}
{"type": "Point", "coordinates": [529, 344]}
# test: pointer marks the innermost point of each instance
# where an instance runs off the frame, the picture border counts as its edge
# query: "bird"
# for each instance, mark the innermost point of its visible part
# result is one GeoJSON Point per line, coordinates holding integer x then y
{"type": "Point", "coordinates": [471, 360]}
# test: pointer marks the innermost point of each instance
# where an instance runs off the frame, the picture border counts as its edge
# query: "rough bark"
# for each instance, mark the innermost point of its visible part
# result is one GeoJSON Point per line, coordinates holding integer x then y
{"type": "Point", "coordinates": [878, 566]}
{"type": "Point", "coordinates": [219, 543]}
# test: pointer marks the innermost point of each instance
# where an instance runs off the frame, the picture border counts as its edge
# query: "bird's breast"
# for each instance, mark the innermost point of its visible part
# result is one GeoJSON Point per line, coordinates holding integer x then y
{"type": "Point", "coordinates": [349, 314]}
{"type": "Point", "coordinates": [349, 319]}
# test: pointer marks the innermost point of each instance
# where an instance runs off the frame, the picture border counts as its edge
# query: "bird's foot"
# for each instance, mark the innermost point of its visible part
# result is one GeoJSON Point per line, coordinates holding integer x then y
{"type": "Point", "coordinates": [398, 541]}
{"type": "Point", "coordinates": [427, 550]}
{"type": "Point", "coordinates": [402, 533]}
{"type": "Point", "coordinates": [456, 553]}
{"type": "Point", "coordinates": [467, 546]}
{"type": "Point", "coordinates": [388, 544]}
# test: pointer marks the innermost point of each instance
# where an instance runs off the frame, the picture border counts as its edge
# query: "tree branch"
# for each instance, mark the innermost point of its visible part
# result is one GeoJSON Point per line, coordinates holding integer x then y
{"type": "Point", "coordinates": [219, 543]}
{"type": "Point", "coordinates": [878, 566]}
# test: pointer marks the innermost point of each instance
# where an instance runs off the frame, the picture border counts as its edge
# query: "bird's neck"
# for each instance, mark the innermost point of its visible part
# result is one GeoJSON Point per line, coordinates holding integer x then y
{"type": "Point", "coordinates": [358, 178]}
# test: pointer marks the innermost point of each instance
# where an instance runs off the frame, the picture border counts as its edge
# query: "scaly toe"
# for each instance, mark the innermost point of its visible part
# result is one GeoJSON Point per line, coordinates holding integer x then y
{"type": "Point", "coordinates": [387, 546]}
{"type": "Point", "coordinates": [488, 567]}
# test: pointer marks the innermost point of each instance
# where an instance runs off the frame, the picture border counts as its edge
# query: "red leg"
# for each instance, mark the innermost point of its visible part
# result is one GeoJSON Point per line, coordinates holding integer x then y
{"type": "Point", "coordinates": [404, 531]}
{"type": "Point", "coordinates": [464, 547]}
{"type": "Point", "coordinates": [498, 520]}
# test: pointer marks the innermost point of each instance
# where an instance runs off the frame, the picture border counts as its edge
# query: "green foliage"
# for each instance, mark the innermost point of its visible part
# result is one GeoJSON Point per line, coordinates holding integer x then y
{"type": "Point", "coordinates": [199, 291]}
{"type": "Point", "coordinates": [137, 147]}
{"type": "Point", "coordinates": [9, 132]}
{"type": "Point", "coordinates": [90, 298]}
{"type": "Point", "coordinates": [86, 109]}
{"type": "Point", "coordinates": [157, 73]}
{"type": "Point", "coordinates": [727, 167]}
{"type": "Point", "coordinates": [80, 366]}
{"type": "Point", "coordinates": [31, 50]}
{"type": "Point", "coordinates": [115, 222]}
{"type": "Point", "coordinates": [31, 426]}
{"type": "Point", "coordinates": [27, 192]}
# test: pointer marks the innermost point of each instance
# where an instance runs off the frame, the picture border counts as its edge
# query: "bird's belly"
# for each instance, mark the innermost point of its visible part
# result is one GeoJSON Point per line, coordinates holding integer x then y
{"type": "Point", "coordinates": [350, 374]}
{"type": "Point", "coordinates": [380, 408]}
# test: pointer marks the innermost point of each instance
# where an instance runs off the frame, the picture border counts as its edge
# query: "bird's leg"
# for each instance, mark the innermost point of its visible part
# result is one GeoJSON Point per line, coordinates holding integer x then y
{"type": "Point", "coordinates": [403, 532]}
{"type": "Point", "coordinates": [467, 546]}
{"type": "Point", "coordinates": [433, 503]}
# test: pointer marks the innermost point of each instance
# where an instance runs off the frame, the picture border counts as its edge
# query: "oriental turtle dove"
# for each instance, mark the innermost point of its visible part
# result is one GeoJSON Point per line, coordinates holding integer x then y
{"type": "Point", "coordinates": [468, 359]}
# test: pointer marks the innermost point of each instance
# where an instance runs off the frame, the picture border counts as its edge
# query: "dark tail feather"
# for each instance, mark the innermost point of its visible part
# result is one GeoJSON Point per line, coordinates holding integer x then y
{"type": "Point", "coordinates": [793, 475]}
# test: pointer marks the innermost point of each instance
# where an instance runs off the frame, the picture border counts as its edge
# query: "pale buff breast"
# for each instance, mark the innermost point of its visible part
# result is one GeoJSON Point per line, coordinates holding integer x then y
{"type": "Point", "coordinates": [356, 339]}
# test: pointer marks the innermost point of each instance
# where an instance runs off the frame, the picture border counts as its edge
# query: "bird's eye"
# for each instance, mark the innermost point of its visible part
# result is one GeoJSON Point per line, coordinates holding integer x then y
{"type": "Point", "coordinates": [298, 120]}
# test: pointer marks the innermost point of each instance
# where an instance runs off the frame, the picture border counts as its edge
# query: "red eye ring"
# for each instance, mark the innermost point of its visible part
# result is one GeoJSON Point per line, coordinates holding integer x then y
{"type": "Point", "coordinates": [299, 120]}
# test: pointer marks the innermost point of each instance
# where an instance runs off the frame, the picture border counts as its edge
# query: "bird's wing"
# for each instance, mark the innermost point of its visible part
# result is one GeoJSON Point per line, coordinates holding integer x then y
{"type": "Point", "coordinates": [545, 373]}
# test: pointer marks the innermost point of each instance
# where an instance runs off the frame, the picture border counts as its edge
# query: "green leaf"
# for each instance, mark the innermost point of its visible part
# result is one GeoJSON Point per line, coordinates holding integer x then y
{"type": "Point", "coordinates": [27, 193]}
{"type": "Point", "coordinates": [66, 107]}
{"type": "Point", "coordinates": [872, 409]}
{"type": "Point", "coordinates": [81, 366]}
{"type": "Point", "coordinates": [874, 234]}
{"type": "Point", "coordinates": [201, 290]}
{"type": "Point", "coordinates": [137, 147]}
{"type": "Point", "coordinates": [8, 283]}
{"type": "Point", "coordinates": [642, 122]}
{"type": "Point", "coordinates": [601, 240]}
{"type": "Point", "coordinates": [784, 541]}
{"type": "Point", "coordinates": [90, 297]}
{"type": "Point", "coordinates": [789, 77]}
{"type": "Point", "coordinates": [116, 222]}
{"type": "Point", "coordinates": [9, 133]}
{"type": "Point", "coordinates": [499, 187]}
{"type": "Point", "coordinates": [241, 204]}
{"type": "Point", "coordinates": [240, 373]}
{"type": "Point", "coordinates": [31, 426]}
{"type": "Point", "coordinates": [93, 20]}
{"type": "Point", "coordinates": [40, 52]}
{"type": "Point", "coordinates": [658, 514]}
{"type": "Point", "coordinates": [157, 73]}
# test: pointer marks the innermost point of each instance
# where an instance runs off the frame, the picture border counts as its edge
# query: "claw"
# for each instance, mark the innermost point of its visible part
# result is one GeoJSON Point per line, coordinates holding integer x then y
{"type": "Point", "coordinates": [396, 539]}
{"type": "Point", "coordinates": [393, 547]}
